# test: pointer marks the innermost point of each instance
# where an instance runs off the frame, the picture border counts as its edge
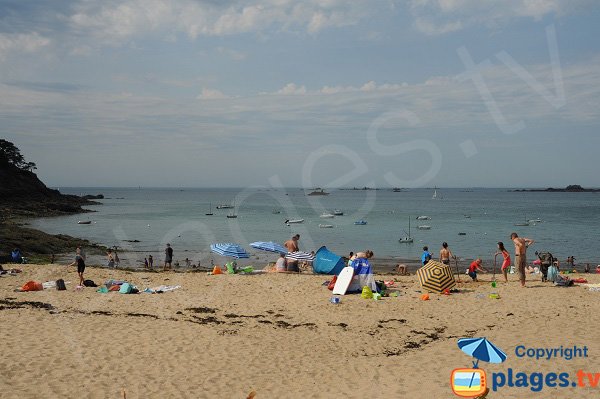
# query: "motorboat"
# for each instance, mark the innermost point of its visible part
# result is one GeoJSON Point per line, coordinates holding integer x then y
{"type": "Point", "coordinates": [292, 221]}
{"type": "Point", "coordinates": [276, 212]}
{"type": "Point", "coordinates": [406, 239]}
{"type": "Point", "coordinates": [360, 222]}
{"type": "Point", "coordinates": [462, 234]}
{"type": "Point", "coordinates": [424, 227]}
{"type": "Point", "coordinates": [318, 191]}
{"type": "Point", "coordinates": [338, 212]}
{"type": "Point", "coordinates": [84, 222]}
{"type": "Point", "coordinates": [326, 215]}
{"type": "Point", "coordinates": [522, 224]}
{"type": "Point", "coordinates": [538, 220]}
{"type": "Point", "coordinates": [423, 217]}
{"type": "Point", "coordinates": [224, 206]}
{"type": "Point", "coordinates": [326, 226]}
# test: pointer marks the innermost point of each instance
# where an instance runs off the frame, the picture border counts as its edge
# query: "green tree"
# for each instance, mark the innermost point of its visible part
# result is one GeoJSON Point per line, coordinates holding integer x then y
{"type": "Point", "coordinates": [11, 155]}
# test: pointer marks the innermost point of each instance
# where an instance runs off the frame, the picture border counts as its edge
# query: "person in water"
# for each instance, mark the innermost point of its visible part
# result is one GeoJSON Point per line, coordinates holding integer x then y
{"type": "Point", "coordinates": [506, 262]}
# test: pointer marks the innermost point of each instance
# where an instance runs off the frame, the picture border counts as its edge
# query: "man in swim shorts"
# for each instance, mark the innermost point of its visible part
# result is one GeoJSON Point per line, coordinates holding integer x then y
{"type": "Point", "coordinates": [521, 245]}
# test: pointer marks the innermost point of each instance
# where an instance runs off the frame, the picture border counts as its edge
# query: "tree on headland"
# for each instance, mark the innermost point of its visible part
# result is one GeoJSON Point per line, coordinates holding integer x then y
{"type": "Point", "coordinates": [11, 155]}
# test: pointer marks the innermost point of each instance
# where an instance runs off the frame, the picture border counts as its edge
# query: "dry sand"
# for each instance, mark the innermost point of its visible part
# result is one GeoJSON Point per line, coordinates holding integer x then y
{"type": "Point", "coordinates": [278, 335]}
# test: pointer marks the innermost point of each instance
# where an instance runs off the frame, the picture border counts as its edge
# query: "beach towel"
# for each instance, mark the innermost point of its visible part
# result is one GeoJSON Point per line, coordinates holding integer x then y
{"type": "Point", "coordinates": [363, 276]}
{"type": "Point", "coordinates": [552, 273]}
{"type": "Point", "coordinates": [125, 288]}
{"type": "Point", "coordinates": [160, 289]}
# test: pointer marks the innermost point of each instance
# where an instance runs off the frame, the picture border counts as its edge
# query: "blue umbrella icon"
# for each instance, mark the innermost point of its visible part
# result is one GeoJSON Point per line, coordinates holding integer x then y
{"type": "Point", "coordinates": [481, 349]}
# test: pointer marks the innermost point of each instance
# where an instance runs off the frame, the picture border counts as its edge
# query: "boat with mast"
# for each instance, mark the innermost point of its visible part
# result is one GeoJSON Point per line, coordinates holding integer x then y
{"type": "Point", "coordinates": [406, 239]}
{"type": "Point", "coordinates": [210, 212]}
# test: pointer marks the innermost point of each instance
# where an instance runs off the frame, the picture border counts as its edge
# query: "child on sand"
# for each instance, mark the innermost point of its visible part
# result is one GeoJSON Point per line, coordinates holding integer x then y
{"type": "Point", "coordinates": [474, 268]}
{"type": "Point", "coordinates": [506, 261]}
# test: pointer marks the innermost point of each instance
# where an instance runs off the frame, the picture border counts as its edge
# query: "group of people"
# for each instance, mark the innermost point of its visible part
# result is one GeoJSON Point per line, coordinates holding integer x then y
{"type": "Point", "coordinates": [288, 265]}
{"type": "Point", "coordinates": [521, 244]}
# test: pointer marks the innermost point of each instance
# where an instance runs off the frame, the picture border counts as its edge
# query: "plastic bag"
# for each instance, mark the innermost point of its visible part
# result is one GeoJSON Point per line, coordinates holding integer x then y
{"type": "Point", "coordinates": [366, 293]}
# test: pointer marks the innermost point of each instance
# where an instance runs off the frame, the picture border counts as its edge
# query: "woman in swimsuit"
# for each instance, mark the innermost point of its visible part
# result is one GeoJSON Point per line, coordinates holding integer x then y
{"type": "Point", "coordinates": [445, 254]}
{"type": "Point", "coordinates": [506, 262]}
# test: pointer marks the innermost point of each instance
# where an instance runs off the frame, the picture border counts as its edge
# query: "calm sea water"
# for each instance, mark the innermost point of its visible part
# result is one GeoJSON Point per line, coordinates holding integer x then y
{"type": "Point", "coordinates": [570, 221]}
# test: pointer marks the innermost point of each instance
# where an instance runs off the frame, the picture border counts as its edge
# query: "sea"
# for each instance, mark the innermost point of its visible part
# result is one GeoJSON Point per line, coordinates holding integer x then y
{"type": "Point", "coordinates": [141, 221]}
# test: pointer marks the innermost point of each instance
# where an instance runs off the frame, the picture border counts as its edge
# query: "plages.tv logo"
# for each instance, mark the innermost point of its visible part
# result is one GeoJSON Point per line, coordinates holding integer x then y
{"type": "Point", "coordinates": [472, 382]}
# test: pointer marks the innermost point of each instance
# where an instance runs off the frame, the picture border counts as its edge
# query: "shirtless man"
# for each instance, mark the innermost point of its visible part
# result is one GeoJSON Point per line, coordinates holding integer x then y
{"type": "Point", "coordinates": [445, 254]}
{"type": "Point", "coordinates": [292, 246]}
{"type": "Point", "coordinates": [521, 245]}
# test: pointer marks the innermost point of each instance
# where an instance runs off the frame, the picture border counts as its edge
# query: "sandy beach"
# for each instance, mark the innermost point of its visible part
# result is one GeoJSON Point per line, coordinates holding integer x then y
{"type": "Point", "coordinates": [278, 335]}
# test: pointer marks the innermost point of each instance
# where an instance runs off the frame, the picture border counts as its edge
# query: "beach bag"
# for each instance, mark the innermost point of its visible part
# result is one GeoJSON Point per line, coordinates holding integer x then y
{"type": "Point", "coordinates": [60, 285]}
{"type": "Point", "coordinates": [89, 283]}
{"type": "Point", "coordinates": [367, 293]}
{"type": "Point", "coordinates": [125, 288]}
{"type": "Point", "coordinates": [102, 290]}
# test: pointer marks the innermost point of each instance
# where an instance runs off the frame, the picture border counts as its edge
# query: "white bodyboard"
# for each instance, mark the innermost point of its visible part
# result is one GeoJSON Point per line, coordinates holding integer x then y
{"type": "Point", "coordinates": [343, 281]}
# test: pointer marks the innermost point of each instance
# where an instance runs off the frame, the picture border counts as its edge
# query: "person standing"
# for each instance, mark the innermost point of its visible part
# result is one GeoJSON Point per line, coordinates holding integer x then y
{"type": "Point", "coordinates": [506, 262]}
{"type": "Point", "coordinates": [445, 254]}
{"type": "Point", "coordinates": [117, 260]}
{"type": "Point", "coordinates": [521, 245]}
{"type": "Point", "coordinates": [110, 259]}
{"type": "Point", "coordinates": [150, 261]}
{"type": "Point", "coordinates": [426, 256]}
{"type": "Point", "coordinates": [79, 261]}
{"type": "Point", "coordinates": [168, 257]}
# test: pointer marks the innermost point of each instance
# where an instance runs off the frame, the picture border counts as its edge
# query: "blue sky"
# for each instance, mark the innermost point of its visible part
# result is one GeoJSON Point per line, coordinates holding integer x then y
{"type": "Point", "coordinates": [453, 93]}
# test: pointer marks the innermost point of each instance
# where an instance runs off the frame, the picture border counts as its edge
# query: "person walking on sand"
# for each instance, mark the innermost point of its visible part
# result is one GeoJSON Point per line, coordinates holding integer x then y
{"type": "Point", "coordinates": [80, 266]}
{"type": "Point", "coordinates": [506, 262]}
{"type": "Point", "coordinates": [150, 261]}
{"type": "Point", "coordinates": [117, 260]}
{"type": "Point", "coordinates": [521, 245]}
{"type": "Point", "coordinates": [168, 257]}
{"type": "Point", "coordinates": [445, 254]}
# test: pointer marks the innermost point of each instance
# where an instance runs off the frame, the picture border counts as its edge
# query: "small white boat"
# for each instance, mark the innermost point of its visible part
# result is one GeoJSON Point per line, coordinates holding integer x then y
{"type": "Point", "coordinates": [423, 218]}
{"type": "Point", "coordinates": [338, 212]}
{"type": "Point", "coordinates": [424, 227]}
{"type": "Point", "coordinates": [360, 222]}
{"type": "Point", "coordinates": [326, 226]}
{"type": "Point", "coordinates": [538, 220]}
{"type": "Point", "coordinates": [522, 224]}
{"type": "Point", "coordinates": [407, 239]}
{"type": "Point", "coordinates": [327, 215]}
{"type": "Point", "coordinates": [224, 206]}
{"type": "Point", "coordinates": [294, 221]}
{"type": "Point", "coordinates": [84, 222]}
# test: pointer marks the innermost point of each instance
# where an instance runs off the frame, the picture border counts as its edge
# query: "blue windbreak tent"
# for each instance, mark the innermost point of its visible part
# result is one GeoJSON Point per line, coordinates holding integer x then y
{"type": "Point", "coordinates": [326, 262]}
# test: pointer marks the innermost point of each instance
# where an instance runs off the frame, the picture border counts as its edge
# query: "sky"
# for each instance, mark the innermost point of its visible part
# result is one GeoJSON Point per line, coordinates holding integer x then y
{"type": "Point", "coordinates": [327, 93]}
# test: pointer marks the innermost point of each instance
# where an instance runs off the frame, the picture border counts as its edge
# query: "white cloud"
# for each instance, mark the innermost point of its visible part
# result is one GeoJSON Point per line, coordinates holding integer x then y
{"type": "Point", "coordinates": [292, 89]}
{"type": "Point", "coordinates": [21, 42]}
{"type": "Point", "coordinates": [435, 17]}
{"type": "Point", "coordinates": [116, 21]}
{"type": "Point", "coordinates": [211, 94]}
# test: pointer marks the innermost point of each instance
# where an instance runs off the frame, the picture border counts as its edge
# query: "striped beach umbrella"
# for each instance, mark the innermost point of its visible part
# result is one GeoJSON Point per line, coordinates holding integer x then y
{"type": "Point", "coordinates": [436, 277]}
{"type": "Point", "coordinates": [269, 246]}
{"type": "Point", "coordinates": [300, 256]}
{"type": "Point", "coordinates": [482, 349]}
{"type": "Point", "coordinates": [229, 249]}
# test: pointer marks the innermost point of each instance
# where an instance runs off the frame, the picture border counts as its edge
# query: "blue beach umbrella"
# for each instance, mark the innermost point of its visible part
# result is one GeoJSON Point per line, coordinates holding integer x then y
{"type": "Point", "coordinates": [481, 349]}
{"type": "Point", "coordinates": [229, 249]}
{"type": "Point", "coordinates": [269, 246]}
